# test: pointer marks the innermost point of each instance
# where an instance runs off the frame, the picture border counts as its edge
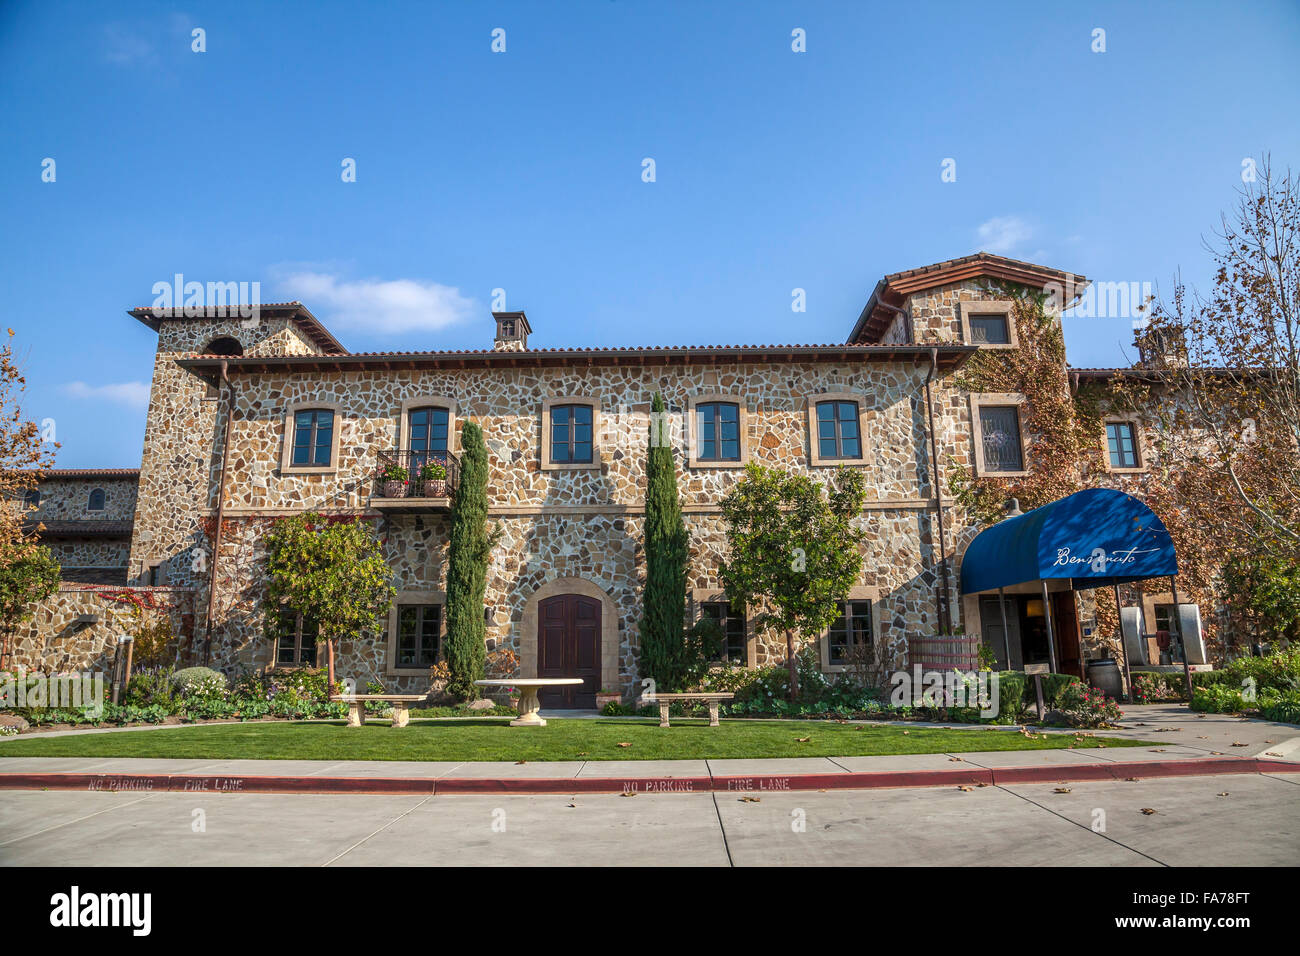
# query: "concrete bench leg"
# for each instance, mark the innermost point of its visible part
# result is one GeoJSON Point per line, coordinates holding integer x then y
{"type": "Point", "coordinates": [401, 716]}
{"type": "Point", "coordinates": [663, 713]}
{"type": "Point", "coordinates": [713, 713]}
{"type": "Point", "coordinates": [356, 713]}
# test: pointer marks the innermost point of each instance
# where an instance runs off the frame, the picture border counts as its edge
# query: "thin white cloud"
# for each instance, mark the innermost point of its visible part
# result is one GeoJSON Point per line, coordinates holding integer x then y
{"type": "Point", "coordinates": [131, 394]}
{"type": "Point", "coordinates": [125, 46]}
{"type": "Point", "coordinates": [382, 306]}
{"type": "Point", "coordinates": [1001, 234]}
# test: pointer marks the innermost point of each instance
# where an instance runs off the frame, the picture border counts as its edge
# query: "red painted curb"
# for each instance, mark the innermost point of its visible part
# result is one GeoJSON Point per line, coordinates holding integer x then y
{"type": "Point", "coordinates": [574, 785]}
{"type": "Point", "coordinates": [754, 783]}
{"type": "Point", "coordinates": [1146, 769]}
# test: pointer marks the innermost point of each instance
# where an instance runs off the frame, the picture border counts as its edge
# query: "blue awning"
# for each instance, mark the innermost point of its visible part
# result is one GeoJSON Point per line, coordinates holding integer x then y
{"type": "Point", "coordinates": [1094, 537]}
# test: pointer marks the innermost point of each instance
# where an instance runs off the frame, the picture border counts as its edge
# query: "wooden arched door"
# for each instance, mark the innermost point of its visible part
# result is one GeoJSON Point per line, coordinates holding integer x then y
{"type": "Point", "coordinates": [568, 645]}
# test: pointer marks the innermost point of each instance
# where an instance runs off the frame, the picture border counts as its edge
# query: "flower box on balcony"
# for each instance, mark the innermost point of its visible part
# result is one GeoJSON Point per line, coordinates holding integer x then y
{"type": "Point", "coordinates": [393, 481]}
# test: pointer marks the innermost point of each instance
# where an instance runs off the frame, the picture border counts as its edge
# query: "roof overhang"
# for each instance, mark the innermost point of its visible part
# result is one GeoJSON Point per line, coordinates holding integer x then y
{"type": "Point", "coordinates": [892, 292]}
{"type": "Point", "coordinates": [946, 357]}
{"type": "Point", "coordinates": [295, 312]}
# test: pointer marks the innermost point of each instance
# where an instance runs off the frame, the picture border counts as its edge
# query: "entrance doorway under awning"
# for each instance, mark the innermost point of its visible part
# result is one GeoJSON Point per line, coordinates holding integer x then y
{"type": "Point", "coordinates": [1026, 569]}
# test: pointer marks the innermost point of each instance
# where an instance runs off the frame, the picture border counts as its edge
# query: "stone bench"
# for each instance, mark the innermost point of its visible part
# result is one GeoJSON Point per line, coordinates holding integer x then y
{"type": "Point", "coordinates": [357, 707]}
{"type": "Point", "coordinates": [666, 700]}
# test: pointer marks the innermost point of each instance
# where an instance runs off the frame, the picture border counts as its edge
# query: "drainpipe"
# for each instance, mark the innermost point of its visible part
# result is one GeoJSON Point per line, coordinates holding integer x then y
{"type": "Point", "coordinates": [943, 602]}
{"type": "Point", "coordinates": [221, 511]}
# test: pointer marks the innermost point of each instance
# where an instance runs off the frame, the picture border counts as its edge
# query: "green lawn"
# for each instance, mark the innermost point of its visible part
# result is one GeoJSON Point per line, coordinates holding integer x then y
{"type": "Point", "coordinates": [561, 739]}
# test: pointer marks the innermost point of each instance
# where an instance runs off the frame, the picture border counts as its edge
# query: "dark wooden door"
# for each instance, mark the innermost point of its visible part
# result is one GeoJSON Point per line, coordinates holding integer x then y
{"type": "Point", "coordinates": [1065, 622]}
{"type": "Point", "coordinates": [568, 645]}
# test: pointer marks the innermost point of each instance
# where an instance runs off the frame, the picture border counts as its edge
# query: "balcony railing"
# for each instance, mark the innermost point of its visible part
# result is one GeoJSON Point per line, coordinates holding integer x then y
{"type": "Point", "coordinates": [391, 465]}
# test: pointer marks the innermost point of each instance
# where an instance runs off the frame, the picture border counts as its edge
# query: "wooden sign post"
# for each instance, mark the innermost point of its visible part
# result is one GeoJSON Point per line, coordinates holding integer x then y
{"type": "Point", "coordinates": [1038, 670]}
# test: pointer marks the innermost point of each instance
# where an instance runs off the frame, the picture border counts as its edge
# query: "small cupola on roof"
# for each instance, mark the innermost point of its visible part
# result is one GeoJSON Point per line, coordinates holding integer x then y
{"type": "Point", "coordinates": [512, 332]}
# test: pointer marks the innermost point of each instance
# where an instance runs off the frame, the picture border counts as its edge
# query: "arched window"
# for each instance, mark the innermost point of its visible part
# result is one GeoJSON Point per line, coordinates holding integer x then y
{"type": "Point", "coordinates": [96, 502]}
{"type": "Point", "coordinates": [32, 497]}
{"type": "Point", "coordinates": [226, 345]}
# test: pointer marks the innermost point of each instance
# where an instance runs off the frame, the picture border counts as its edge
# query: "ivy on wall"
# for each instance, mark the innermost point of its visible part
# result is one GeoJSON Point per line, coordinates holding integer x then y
{"type": "Point", "coordinates": [1065, 445]}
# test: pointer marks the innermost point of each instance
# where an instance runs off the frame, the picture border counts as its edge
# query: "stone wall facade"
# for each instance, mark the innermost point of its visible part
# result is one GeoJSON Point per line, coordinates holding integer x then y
{"type": "Point", "coordinates": [55, 641]}
{"type": "Point", "coordinates": [581, 523]}
{"type": "Point", "coordinates": [563, 529]}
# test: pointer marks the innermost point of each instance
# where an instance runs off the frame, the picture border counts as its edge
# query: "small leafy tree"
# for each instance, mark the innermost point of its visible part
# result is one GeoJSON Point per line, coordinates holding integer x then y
{"type": "Point", "coordinates": [469, 548]}
{"type": "Point", "coordinates": [331, 571]}
{"type": "Point", "coordinates": [29, 572]}
{"type": "Point", "coordinates": [1265, 590]}
{"type": "Point", "coordinates": [667, 654]}
{"type": "Point", "coordinates": [24, 583]}
{"type": "Point", "coordinates": [794, 552]}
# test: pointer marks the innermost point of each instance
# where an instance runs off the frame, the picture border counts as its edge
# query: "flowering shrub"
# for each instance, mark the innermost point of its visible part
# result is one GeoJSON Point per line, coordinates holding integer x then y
{"type": "Point", "coordinates": [1084, 706]}
{"type": "Point", "coordinates": [199, 682]}
{"type": "Point", "coordinates": [1149, 688]}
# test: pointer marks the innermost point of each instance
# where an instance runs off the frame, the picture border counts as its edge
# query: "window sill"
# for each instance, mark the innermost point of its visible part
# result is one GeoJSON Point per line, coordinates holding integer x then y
{"type": "Point", "coordinates": [571, 466]}
{"type": "Point", "coordinates": [733, 463]}
{"type": "Point", "coordinates": [818, 462]}
{"type": "Point", "coordinates": [309, 470]}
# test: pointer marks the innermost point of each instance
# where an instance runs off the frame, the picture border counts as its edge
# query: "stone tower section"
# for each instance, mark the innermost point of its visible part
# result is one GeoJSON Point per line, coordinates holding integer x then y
{"type": "Point", "coordinates": [181, 461]}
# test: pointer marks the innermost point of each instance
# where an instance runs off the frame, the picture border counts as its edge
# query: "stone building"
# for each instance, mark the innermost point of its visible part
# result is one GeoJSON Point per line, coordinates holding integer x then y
{"type": "Point", "coordinates": [252, 419]}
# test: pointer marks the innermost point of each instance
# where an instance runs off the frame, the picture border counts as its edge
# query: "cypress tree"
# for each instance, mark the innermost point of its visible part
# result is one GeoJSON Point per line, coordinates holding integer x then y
{"type": "Point", "coordinates": [469, 548]}
{"type": "Point", "coordinates": [667, 547]}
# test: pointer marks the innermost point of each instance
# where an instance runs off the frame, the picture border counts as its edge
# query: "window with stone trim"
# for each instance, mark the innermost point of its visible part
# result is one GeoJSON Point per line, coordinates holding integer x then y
{"type": "Point", "coordinates": [427, 430]}
{"type": "Point", "coordinates": [990, 330]}
{"type": "Point", "coordinates": [850, 634]}
{"type": "Point", "coordinates": [838, 436]}
{"type": "Point", "coordinates": [572, 441]}
{"type": "Point", "coordinates": [96, 500]}
{"type": "Point", "coordinates": [989, 324]}
{"type": "Point", "coordinates": [734, 649]}
{"type": "Point", "coordinates": [294, 636]}
{"type": "Point", "coordinates": [1122, 445]}
{"type": "Point", "coordinates": [717, 431]}
{"type": "Point", "coordinates": [419, 632]}
{"type": "Point", "coordinates": [1000, 438]}
{"type": "Point", "coordinates": [313, 437]}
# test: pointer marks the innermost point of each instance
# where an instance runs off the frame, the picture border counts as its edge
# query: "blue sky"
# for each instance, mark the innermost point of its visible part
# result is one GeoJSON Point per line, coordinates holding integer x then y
{"type": "Point", "coordinates": [522, 170]}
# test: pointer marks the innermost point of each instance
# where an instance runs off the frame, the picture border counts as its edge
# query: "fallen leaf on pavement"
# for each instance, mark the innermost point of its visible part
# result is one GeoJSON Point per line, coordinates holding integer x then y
{"type": "Point", "coordinates": [1148, 811]}
{"type": "Point", "coordinates": [1224, 794]}
{"type": "Point", "coordinates": [965, 789]}
{"type": "Point", "coordinates": [1061, 790]}
{"type": "Point", "coordinates": [628, 793]}
{"type": "Point", "coordinates": [751, 800]}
